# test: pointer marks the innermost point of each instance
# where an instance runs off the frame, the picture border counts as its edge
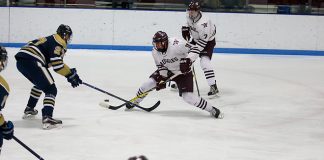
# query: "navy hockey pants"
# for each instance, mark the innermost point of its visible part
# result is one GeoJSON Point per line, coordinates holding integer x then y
{"type": "Point", "coordinates": [39, 75]}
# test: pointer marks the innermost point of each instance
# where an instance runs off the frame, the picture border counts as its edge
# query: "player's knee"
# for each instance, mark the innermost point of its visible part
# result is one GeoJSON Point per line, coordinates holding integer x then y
{"type": "Point", "coordinates": [52, 90]}
{"type": "Point", "coordinates": [187, 97]}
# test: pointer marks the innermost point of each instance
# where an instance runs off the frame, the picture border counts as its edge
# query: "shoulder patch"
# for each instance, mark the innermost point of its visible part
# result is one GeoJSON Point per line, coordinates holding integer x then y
{"type": "Point", "coordinates": [204, 25]}
{"type": "Point", "coordinates": [58, 50]}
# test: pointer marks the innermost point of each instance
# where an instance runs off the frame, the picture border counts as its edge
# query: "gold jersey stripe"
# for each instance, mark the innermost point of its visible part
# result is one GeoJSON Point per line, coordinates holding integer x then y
{"type": "Point", "coordinates": [64, 71]}
{"type": "Point", "coordinates": [4, 84]}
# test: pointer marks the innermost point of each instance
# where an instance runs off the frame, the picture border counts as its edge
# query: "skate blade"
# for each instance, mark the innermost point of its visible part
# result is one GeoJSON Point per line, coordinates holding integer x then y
{"type": "Point", "coordinates": [220, 116]}
{"type": "Point", "coordinates": [48, 126]}
{"type": "Point", "coordinates": [28, 116]}
{"type": "Point", "coordinates": [213, 96]}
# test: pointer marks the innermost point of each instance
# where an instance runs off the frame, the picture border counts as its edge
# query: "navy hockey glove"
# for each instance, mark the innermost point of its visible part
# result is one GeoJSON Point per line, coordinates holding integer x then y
{"type": "Point", "coordinates": [185, 65]}
{"type": "Point", "coordinates": [7, 130]}
{"type": "Point", "coordinates": [185, 33]}
{"type": "Point", "coordinates": [160, 82]}
{"type": "Point", "coordinates": [73, 78]}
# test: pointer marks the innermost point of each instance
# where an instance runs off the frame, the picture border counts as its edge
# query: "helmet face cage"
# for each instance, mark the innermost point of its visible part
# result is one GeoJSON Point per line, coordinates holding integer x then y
{"type": "Point", "coordinates": [193, 9]}
{"type": "Point", "coordinates": [3, 58]}
{"type": "Point", "coordinates": [65, 32]}
{"type": "Point", "coordinates": [160, 41]}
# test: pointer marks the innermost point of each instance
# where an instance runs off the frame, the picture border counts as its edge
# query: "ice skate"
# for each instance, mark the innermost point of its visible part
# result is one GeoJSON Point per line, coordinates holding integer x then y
{"type": "Point", "coordinates": [49, 123]}
{"type": "Point", "coordinates": [29, 113]}
{"type": "Point", "coordinates": [213, 91]}
{"type": "Point", "coordinates": [216, 113]}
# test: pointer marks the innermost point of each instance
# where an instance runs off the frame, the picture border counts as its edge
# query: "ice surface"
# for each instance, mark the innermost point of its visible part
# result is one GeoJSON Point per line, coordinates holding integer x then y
{"type": "Point", "coordinates": [273, 105]}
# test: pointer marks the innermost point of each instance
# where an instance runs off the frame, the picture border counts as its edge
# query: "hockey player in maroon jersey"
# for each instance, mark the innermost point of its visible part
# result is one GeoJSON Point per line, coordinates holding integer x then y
{"type": "Point", "coordinates": [173, 56]}
{"type": "Point", "coordinates": [200, 31]}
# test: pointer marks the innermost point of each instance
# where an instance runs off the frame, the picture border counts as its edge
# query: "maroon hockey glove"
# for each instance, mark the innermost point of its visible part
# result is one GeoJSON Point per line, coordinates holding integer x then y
{"type": "Point", "coordinates": [160, 82]}
{"type": "Point", "coordinates": [185, 32]}
{"type": "Point", "coordinates": [185, 65]}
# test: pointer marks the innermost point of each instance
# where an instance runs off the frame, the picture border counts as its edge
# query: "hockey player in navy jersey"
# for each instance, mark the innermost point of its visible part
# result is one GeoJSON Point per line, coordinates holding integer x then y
{"type": "Point", "coordinates": [173, 56]}
{"type": "Point", "coordinates": [33, 61]}
{"type": "Point", "coordinates": [6, 127]}
{"type": "Point", "coordinates": [200, 31]}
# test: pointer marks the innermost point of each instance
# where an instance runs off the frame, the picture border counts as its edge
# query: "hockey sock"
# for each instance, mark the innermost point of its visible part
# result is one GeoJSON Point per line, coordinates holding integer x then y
{"type": "Point", "coordinates": [49, 102]}
{"type": "Point", "coordinates": [208, 70]}
{"type": "Point", "coordinates": [145, 87]}
{"type": "Point", "coordinates": [35, 93]}
{"type": "Point", "coordinates": [194, 100]}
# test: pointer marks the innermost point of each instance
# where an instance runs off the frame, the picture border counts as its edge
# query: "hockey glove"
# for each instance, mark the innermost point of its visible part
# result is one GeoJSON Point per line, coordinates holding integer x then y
{"type": "Point", "coordinates": [7, 130]}
{"type": "Point", "coordinates": [185, 33]}
{"type": "Point", "coordinates": [185, 65]}
{"type": "Point", "coordinates": [73, 78]}
{"type": "Point", "coordinates": [138, 158]}
{"type": "Point", "coordinates": [160, 82]}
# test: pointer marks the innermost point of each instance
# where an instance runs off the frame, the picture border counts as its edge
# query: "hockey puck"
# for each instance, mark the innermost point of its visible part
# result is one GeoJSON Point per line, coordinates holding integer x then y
{"type": "Point", "coordinates": [106, 100]}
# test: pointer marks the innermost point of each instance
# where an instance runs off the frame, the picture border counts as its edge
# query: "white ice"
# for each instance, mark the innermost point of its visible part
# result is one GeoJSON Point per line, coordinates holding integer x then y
{"type": "Point", "coordinates": [273, 105]}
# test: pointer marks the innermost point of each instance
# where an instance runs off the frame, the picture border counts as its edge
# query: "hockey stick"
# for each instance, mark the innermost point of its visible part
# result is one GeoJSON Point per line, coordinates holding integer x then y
{"type": "Point", "coordinates": [194, 74]}
{"type": "Point", "coordinates": [26, 147]}
{"type": "Point", "coordinates": [145, 109]}
{"type": "Point", "coordinates": [143, 94]}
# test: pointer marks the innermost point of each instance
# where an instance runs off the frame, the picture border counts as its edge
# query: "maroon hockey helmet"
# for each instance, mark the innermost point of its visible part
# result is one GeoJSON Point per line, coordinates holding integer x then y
{"type": "Point", "coordinates": [194, 9]}
{"type": "Point", "coordinates": [194, 5]}
{"type": "Point", "coordinates": [160, 41]}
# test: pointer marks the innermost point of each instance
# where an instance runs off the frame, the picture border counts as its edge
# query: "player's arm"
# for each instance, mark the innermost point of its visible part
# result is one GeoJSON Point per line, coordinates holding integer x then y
{"type": "Point", "coordinates": [57, 62]}
{"type": "Point", "coordinates": [61, 68]}
{"type": "Point", "coordinates": [4, 92]}
{"type": "Point", "coordinates": [163, 71]}
{"type": "Point", "coordinates": [193, 54]}
{"type": "Point", "coordinates": [6, 127]}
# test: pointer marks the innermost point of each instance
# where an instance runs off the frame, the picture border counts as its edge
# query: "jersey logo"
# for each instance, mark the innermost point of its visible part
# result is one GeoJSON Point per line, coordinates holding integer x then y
{"type": "Point", "coordinates": [204, 25]}
{"type": "Point", "coordinates": [172, 60]}
{"type": "Point", "coordinates": [58, 50]}
{"type": "Point", "coordinates": [193, 29]}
